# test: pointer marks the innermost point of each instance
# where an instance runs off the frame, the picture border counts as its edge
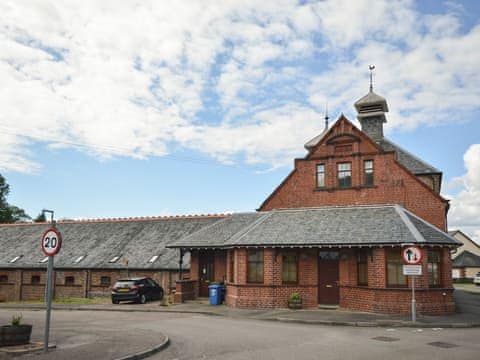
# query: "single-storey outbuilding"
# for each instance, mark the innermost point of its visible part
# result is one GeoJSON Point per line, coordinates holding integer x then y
{"type": "Point", "coordinates": [94, 254]}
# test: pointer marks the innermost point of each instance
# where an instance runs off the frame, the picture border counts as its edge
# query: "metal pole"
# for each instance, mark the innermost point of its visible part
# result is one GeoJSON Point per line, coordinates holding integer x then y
{"type": "Point", "coordinates": [48, 295]}
{"type": "Point", "coordinates": [414, 307]}
{"type": "Point", "coordinates": [49, 303]}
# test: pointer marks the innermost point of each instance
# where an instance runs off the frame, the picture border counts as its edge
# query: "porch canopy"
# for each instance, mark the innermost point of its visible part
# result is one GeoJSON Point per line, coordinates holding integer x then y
{"type": "Point", "coordinates": [351, 226]}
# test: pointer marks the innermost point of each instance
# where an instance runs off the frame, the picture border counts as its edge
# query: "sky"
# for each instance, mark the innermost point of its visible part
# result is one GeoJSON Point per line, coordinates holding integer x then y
{"type": "Point", "coordinates": [147, 108]}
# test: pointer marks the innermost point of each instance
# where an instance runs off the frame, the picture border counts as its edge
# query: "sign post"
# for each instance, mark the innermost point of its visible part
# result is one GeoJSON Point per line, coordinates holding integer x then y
{"type": "Point", "coordinates": [412, 256]}
{"type": "Point", "coordinates": [51, 244]}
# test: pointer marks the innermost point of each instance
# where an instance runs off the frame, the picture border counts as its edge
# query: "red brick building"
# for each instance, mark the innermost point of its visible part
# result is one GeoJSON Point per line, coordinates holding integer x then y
{"type": "Point", "coordinates": [334, 229]}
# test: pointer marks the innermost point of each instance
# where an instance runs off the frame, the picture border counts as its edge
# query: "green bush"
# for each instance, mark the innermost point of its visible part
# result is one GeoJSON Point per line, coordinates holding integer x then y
{"type": "Point", "coordinates": [294, 297]}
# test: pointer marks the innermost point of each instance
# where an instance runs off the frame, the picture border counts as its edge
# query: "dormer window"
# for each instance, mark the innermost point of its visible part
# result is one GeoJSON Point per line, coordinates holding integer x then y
{"type": "Point", "coordinates": [320, 175]}
{"type": "Point", "coordinates": [344, 175]}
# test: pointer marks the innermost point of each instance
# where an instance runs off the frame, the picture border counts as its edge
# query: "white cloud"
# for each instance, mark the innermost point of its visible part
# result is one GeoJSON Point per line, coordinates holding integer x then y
{"type": "Point", "coordinates": [465, 206]}
{"type": "Point", "coordinates": [234, 79]}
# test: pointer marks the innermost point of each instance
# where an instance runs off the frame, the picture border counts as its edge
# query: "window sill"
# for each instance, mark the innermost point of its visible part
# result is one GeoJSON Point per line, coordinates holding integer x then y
{"type": "Point", "coordinates": [330, 189]}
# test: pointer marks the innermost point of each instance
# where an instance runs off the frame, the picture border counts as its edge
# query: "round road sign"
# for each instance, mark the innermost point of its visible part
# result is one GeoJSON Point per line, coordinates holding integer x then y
{"type": "Point", "coordinates": [412, 255]}
{"type": "Point", "coordinates": [51, 242]}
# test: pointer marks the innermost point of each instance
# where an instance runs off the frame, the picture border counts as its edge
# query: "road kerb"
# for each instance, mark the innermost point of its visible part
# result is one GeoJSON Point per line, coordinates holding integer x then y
{"type": "Point", "coordinates": [146, 353]}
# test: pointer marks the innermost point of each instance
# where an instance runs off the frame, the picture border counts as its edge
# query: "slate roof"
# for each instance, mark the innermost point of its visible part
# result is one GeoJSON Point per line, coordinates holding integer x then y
{"type": "Point", "coordinates": [411, 162]}
{"type": "Point", "coordinates": [313, 142]}
{"type": "Point", "coordinates": [327, 226]}
{"type": "Point", "coordinates": [466, 259]}
{"type": "Point", "coordinates": [135, 239]}
{"type": "Point", "coordinates": [370, 98]}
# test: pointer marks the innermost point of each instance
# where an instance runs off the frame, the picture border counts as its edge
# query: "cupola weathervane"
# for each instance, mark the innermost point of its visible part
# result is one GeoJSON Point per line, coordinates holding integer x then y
{"type": "Point", "coordinates": [371, 68]}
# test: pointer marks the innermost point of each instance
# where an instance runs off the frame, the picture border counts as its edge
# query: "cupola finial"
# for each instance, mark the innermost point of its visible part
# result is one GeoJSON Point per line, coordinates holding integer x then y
{"type": "Point", "coordinates": [371, 68]}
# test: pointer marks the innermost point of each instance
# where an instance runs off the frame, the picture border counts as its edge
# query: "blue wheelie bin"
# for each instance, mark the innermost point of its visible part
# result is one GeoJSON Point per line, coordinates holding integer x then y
{"type": "Point", "coordinates": [215, 294]}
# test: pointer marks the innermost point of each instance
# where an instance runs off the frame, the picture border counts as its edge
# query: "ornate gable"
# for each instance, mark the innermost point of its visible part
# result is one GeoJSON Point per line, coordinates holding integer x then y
{"type": "Point", "coordinates": [343, 138]}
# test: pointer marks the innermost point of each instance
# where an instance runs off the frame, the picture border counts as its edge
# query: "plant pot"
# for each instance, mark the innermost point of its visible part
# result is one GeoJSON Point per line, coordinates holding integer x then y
{"type": "Point", "coordinates": [15, 334]}
{"type": "Point", "coordinates": [295, 304]}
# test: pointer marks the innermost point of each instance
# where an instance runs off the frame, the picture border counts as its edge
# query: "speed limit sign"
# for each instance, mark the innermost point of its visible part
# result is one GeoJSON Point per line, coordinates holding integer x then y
{"type": "Point", "coordinates": [51, 242]}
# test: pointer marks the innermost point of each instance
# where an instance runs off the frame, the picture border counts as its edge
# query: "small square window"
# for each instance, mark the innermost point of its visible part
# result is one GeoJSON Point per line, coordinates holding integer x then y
{"type": "Point", "coordinates": [105, 281]}
{"type": "Point", "coordinates": [69, 280]}
{"type": "Point", "coordinates": [3, 279]}
{"type": "Point", "coordinates": [35, 279]}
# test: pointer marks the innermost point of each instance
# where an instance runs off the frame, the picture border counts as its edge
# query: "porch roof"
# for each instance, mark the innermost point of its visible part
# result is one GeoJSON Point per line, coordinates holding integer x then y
{"type": "Point", "coordinates": [326, 226]}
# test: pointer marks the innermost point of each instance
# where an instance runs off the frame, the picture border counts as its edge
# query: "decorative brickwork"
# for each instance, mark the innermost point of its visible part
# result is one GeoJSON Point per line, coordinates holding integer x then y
{"type": "Point", "coordinates": [393, 183]}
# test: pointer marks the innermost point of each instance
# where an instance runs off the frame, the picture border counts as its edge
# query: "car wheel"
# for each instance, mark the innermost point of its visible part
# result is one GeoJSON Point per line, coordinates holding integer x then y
{"type": "Point", "coordinates": [143, 299]}
{"type": "Point", "coordinates": [160, 295]}
{"type": "Point", "coordinates": [115, 302]}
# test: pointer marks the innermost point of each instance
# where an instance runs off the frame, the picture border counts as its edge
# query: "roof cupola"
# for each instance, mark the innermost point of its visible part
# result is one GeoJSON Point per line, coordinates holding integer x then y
{"type": "Point", "coordinates": [371, 111]}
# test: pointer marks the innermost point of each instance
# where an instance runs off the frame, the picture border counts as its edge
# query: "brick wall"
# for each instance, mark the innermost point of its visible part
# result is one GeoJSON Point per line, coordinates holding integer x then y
{"type": "Point", "coordinates": [374, 297]}
{"type": "Point", "coordinates": [397, 301]}
{"type": "Point", "coordinates": [272, 293]}
{"type": "Point", "coordinates": [10, 289]}
{"type": "Point", "coordinates": [87, 283]}
{"type": "Point", "coordinates": [392, 182]}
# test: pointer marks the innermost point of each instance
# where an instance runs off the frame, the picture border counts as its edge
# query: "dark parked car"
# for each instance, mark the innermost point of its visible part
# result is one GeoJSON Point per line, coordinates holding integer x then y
{"type": "Point", "coordinates": [137, 289]}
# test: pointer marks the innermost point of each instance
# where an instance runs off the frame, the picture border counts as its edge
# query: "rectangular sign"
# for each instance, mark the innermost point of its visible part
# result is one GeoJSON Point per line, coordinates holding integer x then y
{"type": "Point", "coordinates": [412, 269]}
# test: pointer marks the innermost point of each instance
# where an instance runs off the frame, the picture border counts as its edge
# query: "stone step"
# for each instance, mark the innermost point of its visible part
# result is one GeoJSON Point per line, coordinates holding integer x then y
{"type": "Point", "coordinates": [327, 307]}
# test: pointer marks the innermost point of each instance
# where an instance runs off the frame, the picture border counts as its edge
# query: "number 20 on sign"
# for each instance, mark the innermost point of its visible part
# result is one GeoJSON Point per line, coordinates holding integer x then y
{"type": "Point", "coordinates": [51, 242]}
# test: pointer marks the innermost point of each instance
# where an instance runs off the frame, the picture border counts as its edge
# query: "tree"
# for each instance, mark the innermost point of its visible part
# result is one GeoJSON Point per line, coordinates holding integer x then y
{"type": "Point", "coordinates": [9, 213]}
{"type": "Point", "coordinates": [40, 217]}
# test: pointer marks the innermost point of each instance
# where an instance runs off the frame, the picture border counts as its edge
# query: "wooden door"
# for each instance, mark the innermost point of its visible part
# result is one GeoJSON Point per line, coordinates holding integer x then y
{"type": "Point", "coordinates": [328, 292]}
{"type": "Point", "coordinates": [206, 271]}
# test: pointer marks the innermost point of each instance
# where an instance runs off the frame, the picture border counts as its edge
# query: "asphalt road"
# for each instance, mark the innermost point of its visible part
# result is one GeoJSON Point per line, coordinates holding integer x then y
{"type": "Point", "coordinates": [199, 337]}
{"type": "Point", "coordinates": [109, 335]}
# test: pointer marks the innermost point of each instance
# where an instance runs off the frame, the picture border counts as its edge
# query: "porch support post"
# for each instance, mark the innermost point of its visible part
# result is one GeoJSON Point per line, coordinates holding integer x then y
{"type": "Point", "coordinates": [180, 263]}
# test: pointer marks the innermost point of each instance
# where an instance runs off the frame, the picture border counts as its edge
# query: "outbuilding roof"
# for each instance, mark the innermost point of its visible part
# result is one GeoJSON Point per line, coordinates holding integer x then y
{"type": "Point", "coordinates": [95, 244]}
{"type": "Point", "coordinates": [466, 259]}
{"type": "Point", "coordinates": [326, 226]}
